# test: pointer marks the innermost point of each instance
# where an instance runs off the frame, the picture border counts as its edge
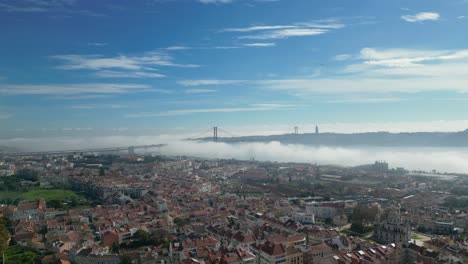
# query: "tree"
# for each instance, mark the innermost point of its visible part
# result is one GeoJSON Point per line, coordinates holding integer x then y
{"type": "Point", "coordinates": [4, 239]}
{"type": "Point", "coordinates": [26, 174]}
{"type": "Point", "coordinates": [43, 230]}
{"type": "Point", "coordinates": [141, 235]}
{"type": "Point", "coordinates": [115, 248]}
{"type": "Point", "coordinates": [180, 221]}
{"type": "Point", "coordinates": [54, 204]}
{"type": "Point", "coordinates": [363, 217]}
{"type": "Point", "coordinates": [73, 201]}
{"type": "Point", "coordinates": [125, 259]}
{"type": "Point", "coordinates": [421, 229]}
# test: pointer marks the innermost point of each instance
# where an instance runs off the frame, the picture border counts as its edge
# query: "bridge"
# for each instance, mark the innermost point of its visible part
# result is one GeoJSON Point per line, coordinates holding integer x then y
{"type": "Point", "coordinates": [130, 149]}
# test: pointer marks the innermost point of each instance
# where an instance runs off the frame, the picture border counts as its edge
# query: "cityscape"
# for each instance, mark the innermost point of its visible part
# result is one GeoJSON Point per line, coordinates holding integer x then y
{"type": "Point", "coordinates": [147, 208]}
{"type": "Point", "coordinates": [233, 132]}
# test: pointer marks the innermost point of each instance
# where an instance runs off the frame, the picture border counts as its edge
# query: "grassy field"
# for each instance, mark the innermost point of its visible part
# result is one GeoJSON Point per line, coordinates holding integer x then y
{"type": "Point", "coordinates": [47, 194]}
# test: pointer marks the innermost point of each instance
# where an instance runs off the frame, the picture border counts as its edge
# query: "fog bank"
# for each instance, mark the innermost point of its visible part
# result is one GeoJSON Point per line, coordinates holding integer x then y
{"type": "Point", "coordinates": [441, 159]}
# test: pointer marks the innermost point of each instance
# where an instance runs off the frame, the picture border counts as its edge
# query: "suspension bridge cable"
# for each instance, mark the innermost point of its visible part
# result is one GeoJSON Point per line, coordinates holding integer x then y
{"type": "Point", "coordinates": [227, 132]}
{"type": "Point", "coordinates": [198, 136]}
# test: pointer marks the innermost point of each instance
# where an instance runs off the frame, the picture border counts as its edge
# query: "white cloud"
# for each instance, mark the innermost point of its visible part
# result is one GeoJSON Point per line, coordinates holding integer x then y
{"type": "Point", "coordinates": [364, 84]}
{"type": "Point", "coordinates": [128, 74]}
{"type": "Point", "coordinates": [72, 89]}
{"type": "Point", "coordinates": [253, 108]}
{"type": "Point", "coordinates": [97, 44]}
{"type": "Point", "coordinates": [178, 48]}
{"type": "Point", "coordinates": [22, 9]}
{"type": "Point", "coordinates": [342, 57]}
{"type": "Point", "coordinates": [376, 71]}
{"type": "Point", "coordinates": [461, 17]}
{"type": "Point", "coordinates": [286, 33]}
{"type": "Point", "coordinates": [423, 16]}
{"type": "Point", "coordinates": [260, 44]}
{"type": "Point", "coordinates": [41, 6]}
{"type": "Point", "coordinates": [98, 62]}
{"type": "Point", "coordinates": [387, 70]}
{"type": "Point", "coordinates": [259, 28]}
{"type": "Point", "coordinates": [408, 57]}
{"type": "Point", "coordinates": [198, 91]}
{"type": "Point", "coordinates": [208, 82]}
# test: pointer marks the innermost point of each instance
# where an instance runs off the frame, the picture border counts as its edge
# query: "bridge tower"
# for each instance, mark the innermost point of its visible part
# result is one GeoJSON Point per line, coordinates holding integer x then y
{"type": "Point", "coordinates": [215, 134]}
{"type": "Point", "coordinates": [131, 150]}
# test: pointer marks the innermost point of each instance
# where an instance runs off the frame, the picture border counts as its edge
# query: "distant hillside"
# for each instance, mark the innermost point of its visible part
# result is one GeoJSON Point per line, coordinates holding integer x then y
{"type": "Point", "coordinates": [417, 139]}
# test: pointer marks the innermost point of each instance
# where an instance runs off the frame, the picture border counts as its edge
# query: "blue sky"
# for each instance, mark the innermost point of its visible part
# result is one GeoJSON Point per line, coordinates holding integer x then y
{"type": "Point", "coordinates": [171, 66]}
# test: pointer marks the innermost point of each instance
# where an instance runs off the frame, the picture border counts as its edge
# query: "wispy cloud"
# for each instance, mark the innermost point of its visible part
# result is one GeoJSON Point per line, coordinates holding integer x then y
{"type": "Point", "coordinates": [122, 66]}
{"type": "Point", "coordinates": [259, 28]}
{"type": "Point", "coordinates": [98, 106]}
{"type": "Point", "coordinates": [72, 89]}
{"type": "Point", "coordinates": [43, 6]}
{"type": "Point", "coordinates": [178, 48]}
{"type": "Point", "coordinates": [128, 74]}
{"type": "Point", "coordinates": [366, 100]}
{"type": "Point", "coordinates": [388, 70]}
{"type": "Point", "coordinates": [342, 57]}
{"type": "Point", "coordinates": [208, 82]}
{"type": "Point", "coordinates": [423, 16]}
{"type": "Point", "coordinates": [99, 62]}
{"type": "Point", "coordinates": [286, 31]}
{"type": "Point", "coordinates": [80, 97]}
{"type": "Point", "coordinates": [408, 57]}
{"type": "Point", "coordinates": [198, 91]}
{"type": "Point", "coordinates": [375, 71]}
{"type": "Point", "coordinates": [252, 108]}
{"type": "Point", "coordinates": [260, 44]}
{"type": "Point", "coordinates": [22, 9]}
{"type": "Point", "coordinates": [97, 44]}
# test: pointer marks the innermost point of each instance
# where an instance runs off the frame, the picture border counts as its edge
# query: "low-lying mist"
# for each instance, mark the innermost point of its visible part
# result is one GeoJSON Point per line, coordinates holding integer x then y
{"type": "Point", "coordinates": [441, 159]}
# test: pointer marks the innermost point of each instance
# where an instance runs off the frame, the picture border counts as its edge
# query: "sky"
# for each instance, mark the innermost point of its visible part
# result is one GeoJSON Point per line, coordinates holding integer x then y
{"type": "Point", "coordinates": [149, 67]}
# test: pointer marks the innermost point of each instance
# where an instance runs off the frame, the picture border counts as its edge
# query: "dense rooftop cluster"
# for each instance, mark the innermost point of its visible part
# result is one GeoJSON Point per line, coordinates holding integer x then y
{"type": "Point", "coordinates": [161, 210]}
